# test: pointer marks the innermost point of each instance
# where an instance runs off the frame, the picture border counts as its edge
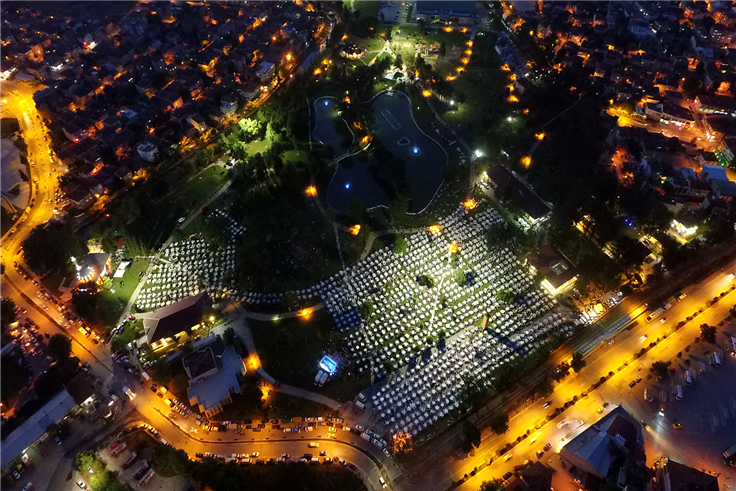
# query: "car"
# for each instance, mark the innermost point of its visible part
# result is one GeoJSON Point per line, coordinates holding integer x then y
{"type": "Point", "coordinates": [332, 430]}
{"type": "Point", "coordinates": [677, 425]}
{"type": "Point", "coordinates": [679, 296]}
{"type": "Point", "coordinates": [154, 389]}
{"type": "Point", "coordinates": [254, 454]}
{"type": "Point", "coordinates": [644, 337]}
{"type": "Point", "coordinates": [547, 404]}
{"type": "Point", "coordinates": [323, 453]}
{"type": "Point", "coordinates": [662, 320]}
{"type": "Point", "coordinates": [28, 487]}
{"type": "Point", "coordinates": [81, 484]}
{"type": "Point", "coordinates": [285, 455]}
{"type": "Point", "coordinates": [508, 457]}
{"type": "Point", "coordinates": [563, 423]}
{"type": "Point", "coordinates": [632, 383]}
{"type": "Point", "coordinates": [507, 476]}
{"type": "Point", "coordinates": [540, 453]}
{"type": "Point", "coordinates": [547, 447]}
{"type": "Point", "coordinates": [382, 481]}
{"type": "Point", "coordinates": [181, 219]}
{"type": "Point", "coordinates": [57, 440]}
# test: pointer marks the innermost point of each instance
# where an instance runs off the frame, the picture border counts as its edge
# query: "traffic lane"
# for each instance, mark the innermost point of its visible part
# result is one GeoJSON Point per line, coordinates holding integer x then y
{"type": "Point", "coordinates": [85, 350]}
{"type": "Point", "coordinates": [267, 448]}
{"type": "Point", "coordinates": [608, 392]}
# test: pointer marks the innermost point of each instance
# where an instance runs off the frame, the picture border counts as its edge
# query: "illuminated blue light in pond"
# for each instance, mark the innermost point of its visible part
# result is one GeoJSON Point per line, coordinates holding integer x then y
{"type": "Point", "coordinates": [416, 150]}
{"type": "Point", "coordinates": [327, 103]}
{"type": "Point", "coordinates": [347, 185]}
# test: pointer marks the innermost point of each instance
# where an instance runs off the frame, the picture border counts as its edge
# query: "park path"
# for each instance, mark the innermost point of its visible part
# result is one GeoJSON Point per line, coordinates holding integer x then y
{"type": "Point", "coordinates": [237, 319]}
{"type": "Point", "coordinates": [155, 258]}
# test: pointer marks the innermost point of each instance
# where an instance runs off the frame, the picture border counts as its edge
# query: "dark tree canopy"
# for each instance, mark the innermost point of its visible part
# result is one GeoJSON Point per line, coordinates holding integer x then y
{"type": "Point", "coordinates": [60, 347]}
{"type": "Point", "coordinates": [51, 247]}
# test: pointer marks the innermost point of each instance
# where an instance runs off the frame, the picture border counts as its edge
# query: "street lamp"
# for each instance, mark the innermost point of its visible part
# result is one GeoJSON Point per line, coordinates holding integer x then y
{"type": "Point", "coordinates": [478, 154]}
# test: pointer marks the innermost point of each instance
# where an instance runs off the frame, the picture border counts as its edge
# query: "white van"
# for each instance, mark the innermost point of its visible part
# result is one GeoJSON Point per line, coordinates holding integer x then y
{"type": "Point", "coordinates": [715, 359]}
{"type": "Point", "coordinates": [679, 393]}
{"type": "Point", "coordinates": [688, 377]}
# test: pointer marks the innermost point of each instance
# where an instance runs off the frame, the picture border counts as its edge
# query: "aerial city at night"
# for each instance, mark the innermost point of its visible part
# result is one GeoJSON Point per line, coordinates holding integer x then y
{"type": "Point", "coordinates": [366, 245]}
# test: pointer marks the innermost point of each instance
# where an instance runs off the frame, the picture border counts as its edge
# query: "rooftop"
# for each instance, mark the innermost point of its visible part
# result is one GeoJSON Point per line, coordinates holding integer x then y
{"type": "Point", "coordinates": [210, 391]}
{"type": "Point", "coordinates": [35, 426]}
{"type": "Point", "coordinates": [175, 318]}
{"type": "Point", "coordinates": [684, 478]}
{"type": "Point", "coordinates": [512, 188]}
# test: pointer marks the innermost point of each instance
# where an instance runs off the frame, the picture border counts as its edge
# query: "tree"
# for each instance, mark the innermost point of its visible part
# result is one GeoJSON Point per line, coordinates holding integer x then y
{"type": "Point", "coordinates": [660, 368]}
{"type": "Point", "coordinates": [85, 460]}
{"type": "Point", "coordinates": [228, 337]}
{"type": "Point", "coordinates": [577, 363]}
{"type": "Point", "coordinates": [471, 437]}
{"type": "Point", "coordinates": [161, 372]}
{"type": "Point", "coordinates": [248, 129]}
{"type": "Point", "coordinates": [366, 309]}
{"type": "Point", "coordinates": [400, 245]}
{"type": "Point", "coordinates": [545, 388]}
{"type": "Point", "coordinates": [460, 277]}
{"type": "Point", "coordinates": [204, 158]}
{"type": "Point", "coordinates": [169, 461]}
{"type": "Point", "coordinates": [500, 423]}
{"type": "Point", "coordinates": [60, 347]}
{"type": "Point", "coordinates": [50, 247]}
{"type": "Point", "coordinates": [490, 486]}
{"type": "Point", "coordinates": [8, 312]}
{"type": "Point", "coordinates": [708, 333]}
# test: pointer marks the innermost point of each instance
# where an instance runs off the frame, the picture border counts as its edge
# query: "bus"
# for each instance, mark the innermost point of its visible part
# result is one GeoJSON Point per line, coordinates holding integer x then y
{"type": "Point", "coordinates": [679, 393]}
{"type": "Point", "coordinates": [688, 377]}
{"type": "Point", "coordinates": [655, 314]}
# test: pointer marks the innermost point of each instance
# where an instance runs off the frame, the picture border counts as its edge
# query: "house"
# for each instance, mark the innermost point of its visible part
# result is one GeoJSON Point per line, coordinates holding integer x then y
{"type": "Point", "coordinates": [167, 323]}
{"type": "Point", "coordinates": [674, 476]}
{"type": "Point", "coordinates": [80, 197]}
{"type": "Point", "coordinates": [713, 172]}
{"type": "Point", "coordinates": [266, 71]}
{"type": "Point", "coordinates": [538, 477]}
{"type": "Point", "coordinates": [610, 449]}
{"type": "Point", "coordinates": [214, 373]}
{"type": "Point", "coordinates": [715, 104]}
{"type": "Point", "coordinates": [507, 186]}
{"type": "Point", "coordinates": [668, 113]}
{"type": "Point", "coordinates": [559, 273]}
{"type": "Point", "coordinates": [148, 151]}
{"type": "Point", "coordinates": [723, 189]}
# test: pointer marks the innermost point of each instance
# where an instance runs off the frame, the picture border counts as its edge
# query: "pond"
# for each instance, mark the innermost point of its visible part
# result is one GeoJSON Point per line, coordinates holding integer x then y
{"type": "Point", "coordinates": [325, 129]}
{"type": "Point", "coordinates": [423, 158]}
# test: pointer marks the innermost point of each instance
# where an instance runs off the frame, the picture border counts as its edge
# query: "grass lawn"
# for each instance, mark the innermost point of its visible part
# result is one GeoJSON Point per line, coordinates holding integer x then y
{"type": "Point", "coordinates": [291, 348]}
{"type": "Point", "coordinates": [293, 156]}
{"type": "Point", "coordinates": [259, 146]}
{"type": "Point", "coordinates": [195, 192]}
{"type": "Point", "coordinates": [114, 300]}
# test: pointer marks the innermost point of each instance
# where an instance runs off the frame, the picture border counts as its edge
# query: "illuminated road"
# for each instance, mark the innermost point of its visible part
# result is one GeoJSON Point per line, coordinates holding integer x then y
{"type": "Point", "coordinates": [442, 466]}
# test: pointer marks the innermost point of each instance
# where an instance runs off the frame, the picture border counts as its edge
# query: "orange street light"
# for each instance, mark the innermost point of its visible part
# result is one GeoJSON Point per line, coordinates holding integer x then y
{"type": "Point", "coordinates": [453, 248]}
{"type": "Point", "coordinates": [354, 230]}
{"type": "Point", "coordinates": [427, 93]}
{"type": "Point", "coordinates": [513, 98]}
{"type": "Point", "coordinates": [288, 56]}
{"type": "Point", "coordinates": [435, 229]}
{"type": "Point", "coordinates": [539, 136]}
{"type": "Point", "coordinates": [306, 312]}
{"type": "Point", "coordinates": [526, 161]}
{"type": "Point", "coordinates": [311, 191]}
{"type": "Point", "coordinates": [470, 204]}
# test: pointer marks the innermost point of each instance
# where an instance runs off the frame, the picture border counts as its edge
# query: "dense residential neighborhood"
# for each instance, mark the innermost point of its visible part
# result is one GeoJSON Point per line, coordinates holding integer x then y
{"type": "Point", "coordinates": [324, 245]}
